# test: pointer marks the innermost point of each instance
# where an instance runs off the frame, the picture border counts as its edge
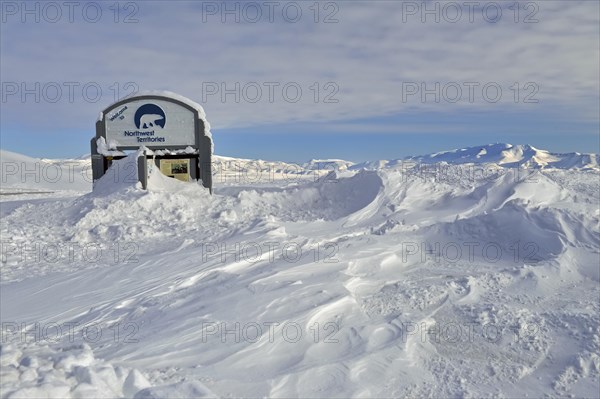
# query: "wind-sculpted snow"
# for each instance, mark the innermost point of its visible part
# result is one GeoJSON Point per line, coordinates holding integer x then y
{"type": "Point", "coordinates": [329, 199]}
{"type": "Point", "coordinates": [41, 371]}
{"type": "Point", "coordinates": [397, 282]}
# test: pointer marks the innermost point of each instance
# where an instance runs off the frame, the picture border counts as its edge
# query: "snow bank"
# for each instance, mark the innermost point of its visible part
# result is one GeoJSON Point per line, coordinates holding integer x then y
{"type": "Point", "coordinates": [122, 175]}
{"type": "Point", "coordinates": [331, 198]}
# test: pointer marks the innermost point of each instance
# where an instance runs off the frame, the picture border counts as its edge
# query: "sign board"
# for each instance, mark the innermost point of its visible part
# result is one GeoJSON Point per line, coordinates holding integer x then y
{"type": "Point", "coordinates": [173, 126]}
{"type": "Point", "coordinates": [153, 123]}
{"type": "Point", "coordinates": [177, 168]}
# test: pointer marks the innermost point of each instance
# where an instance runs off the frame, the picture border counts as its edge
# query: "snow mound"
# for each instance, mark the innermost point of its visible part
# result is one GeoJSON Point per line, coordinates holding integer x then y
{"type": "Point", "coordinates": [122, 175]}
{"type": "Point", "coordinates": [42, 371]}
{"type": "Point", "coordinates": [333, 197]}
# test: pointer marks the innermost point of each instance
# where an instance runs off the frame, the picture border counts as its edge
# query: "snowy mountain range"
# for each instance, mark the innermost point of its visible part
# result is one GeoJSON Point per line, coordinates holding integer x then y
{"type": "Point", "coordinates": [507, 155]}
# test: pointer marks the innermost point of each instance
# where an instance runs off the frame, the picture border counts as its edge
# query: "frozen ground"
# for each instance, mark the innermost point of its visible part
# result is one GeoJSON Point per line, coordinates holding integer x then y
{"type": "Point", "coordinates": [469, 273]}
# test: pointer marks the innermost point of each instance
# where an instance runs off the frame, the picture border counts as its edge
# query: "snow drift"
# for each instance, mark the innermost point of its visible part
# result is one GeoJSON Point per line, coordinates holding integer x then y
{"type": "Point", "coordinates": [362, 282]}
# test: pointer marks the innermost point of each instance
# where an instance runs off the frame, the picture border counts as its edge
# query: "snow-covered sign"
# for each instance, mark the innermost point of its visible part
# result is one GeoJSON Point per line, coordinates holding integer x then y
{"type": "Point", "coordinates": [150, 122]}
{"type": "Point", "coordinates": [164, 122]}
{"type": "Point", "coordinates": [155, 119]}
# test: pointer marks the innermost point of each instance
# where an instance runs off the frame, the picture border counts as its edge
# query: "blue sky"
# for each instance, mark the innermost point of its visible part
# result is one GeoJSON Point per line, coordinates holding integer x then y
{"type": "Point", "coordinates": [357, 65]}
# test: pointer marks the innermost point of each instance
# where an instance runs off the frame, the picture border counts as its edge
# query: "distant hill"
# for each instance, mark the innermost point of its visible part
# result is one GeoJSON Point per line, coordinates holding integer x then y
{"type": "Point", "coordinates": [507, 155]}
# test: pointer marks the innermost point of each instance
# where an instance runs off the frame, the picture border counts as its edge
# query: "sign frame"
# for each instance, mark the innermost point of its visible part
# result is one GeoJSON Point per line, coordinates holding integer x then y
{"type": "Point", "coordinates": [203, 145]}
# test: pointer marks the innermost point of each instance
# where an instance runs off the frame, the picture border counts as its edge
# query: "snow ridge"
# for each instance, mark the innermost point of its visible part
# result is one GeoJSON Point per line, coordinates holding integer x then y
{"type": "Point", "coordinates": [507, 155]}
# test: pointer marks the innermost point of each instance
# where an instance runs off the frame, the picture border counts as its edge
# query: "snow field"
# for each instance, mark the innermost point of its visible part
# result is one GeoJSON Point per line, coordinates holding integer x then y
{"type": "Point", "coordinates": [373, 282]}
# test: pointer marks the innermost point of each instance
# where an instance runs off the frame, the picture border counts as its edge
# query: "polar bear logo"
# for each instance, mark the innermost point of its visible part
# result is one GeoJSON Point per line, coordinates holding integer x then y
{"type": "Point", "coordinates": [149, 120]}
{"type": "Point", "coordinates": [150, 116]}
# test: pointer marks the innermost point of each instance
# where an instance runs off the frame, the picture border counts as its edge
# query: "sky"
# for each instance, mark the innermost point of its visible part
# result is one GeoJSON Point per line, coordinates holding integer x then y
{"type": "Point", "coordinates": [301, 80]}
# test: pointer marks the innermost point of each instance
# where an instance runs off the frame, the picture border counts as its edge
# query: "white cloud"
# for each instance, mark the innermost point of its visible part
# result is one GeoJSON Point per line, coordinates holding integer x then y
{"type": "Point", "coordinates": [369, 54]}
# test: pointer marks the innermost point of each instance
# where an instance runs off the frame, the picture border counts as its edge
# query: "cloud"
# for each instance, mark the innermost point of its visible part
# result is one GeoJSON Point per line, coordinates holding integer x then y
{"type": "Point", "coordinates": [356, 68]}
